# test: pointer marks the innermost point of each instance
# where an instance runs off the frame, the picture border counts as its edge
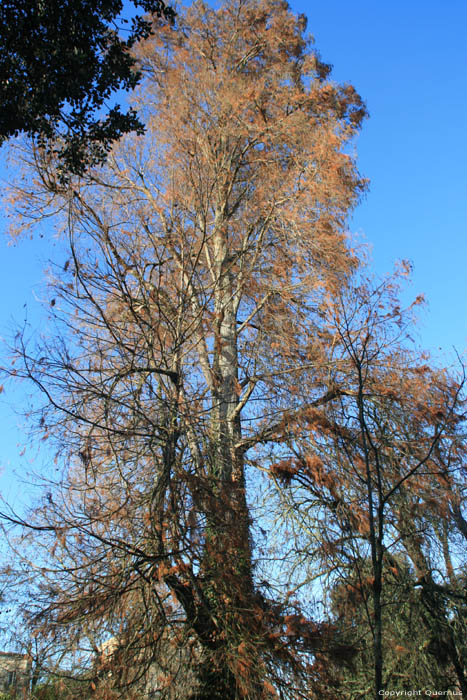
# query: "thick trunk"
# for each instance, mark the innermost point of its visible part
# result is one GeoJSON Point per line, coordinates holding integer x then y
{"type": "Point", "coordinates": [226, 570]}
{"type": "Point", "coordinates": [227, 466]}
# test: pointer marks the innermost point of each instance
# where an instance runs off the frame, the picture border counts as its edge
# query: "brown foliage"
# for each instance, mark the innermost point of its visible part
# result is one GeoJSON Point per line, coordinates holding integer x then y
{"type": "Point", "coordinates": [201, 259]}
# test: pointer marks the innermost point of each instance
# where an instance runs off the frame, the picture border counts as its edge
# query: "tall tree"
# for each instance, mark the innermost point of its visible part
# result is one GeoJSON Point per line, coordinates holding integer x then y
{"type": "Point", "coordinates": [201, 260]}
{"type": "Point", "coordinates": [60, 63]}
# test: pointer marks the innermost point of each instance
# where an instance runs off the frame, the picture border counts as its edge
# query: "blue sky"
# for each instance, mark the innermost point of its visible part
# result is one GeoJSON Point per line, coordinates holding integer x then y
{"type": "Point", "coordinates": [408, 60]}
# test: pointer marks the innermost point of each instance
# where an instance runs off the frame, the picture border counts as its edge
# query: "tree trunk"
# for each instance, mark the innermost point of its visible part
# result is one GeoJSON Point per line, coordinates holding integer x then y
{"type": "Point", "coordinates": [226, 571]}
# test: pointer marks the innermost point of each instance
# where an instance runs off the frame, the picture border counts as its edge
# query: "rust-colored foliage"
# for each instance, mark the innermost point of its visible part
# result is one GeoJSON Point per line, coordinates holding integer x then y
{"type": "Point", "coordinates": [201, 258]}
{"type": "Point", "coordinates": [213, 335]}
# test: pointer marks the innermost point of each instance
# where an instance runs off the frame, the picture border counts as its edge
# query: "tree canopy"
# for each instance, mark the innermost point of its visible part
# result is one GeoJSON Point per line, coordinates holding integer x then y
{"type": "Point", "coordinates": [238, 412]}
{"type": "Point", "coordinates": [61, 63]}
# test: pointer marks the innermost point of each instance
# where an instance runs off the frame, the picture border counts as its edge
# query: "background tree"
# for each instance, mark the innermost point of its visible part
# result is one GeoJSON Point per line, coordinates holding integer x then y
{"type": "Point", "coordinates": [188, 321]}
{"type": "Point", "coordinates": [370, 461]}
{"type": "Point", "coordinates": [410, 657]}
{"type": "Point", "coordinates": [60, 63]}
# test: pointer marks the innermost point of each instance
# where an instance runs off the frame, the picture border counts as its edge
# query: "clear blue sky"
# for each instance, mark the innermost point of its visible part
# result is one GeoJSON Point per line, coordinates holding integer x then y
{"type": "Point", "coordinates": [408, 59]}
